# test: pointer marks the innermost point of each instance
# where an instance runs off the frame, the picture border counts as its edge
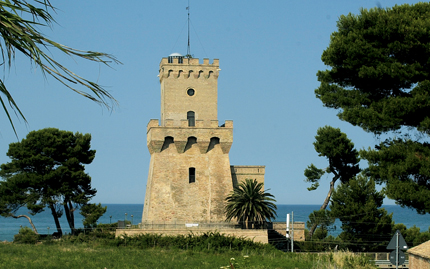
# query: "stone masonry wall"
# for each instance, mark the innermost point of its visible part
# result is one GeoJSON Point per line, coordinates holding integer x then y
{"type": "Point", "coordinates": [241, 172]}
{"type": "Point", "coordinates": [170, 197]}
{"type": "Point", "coordinates": [298, 232]}
{"type": "Point", "coordinates": [176, 78]}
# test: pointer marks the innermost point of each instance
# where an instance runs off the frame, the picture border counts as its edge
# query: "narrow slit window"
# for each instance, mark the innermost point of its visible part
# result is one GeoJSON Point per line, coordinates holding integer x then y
{"type": "Point", "coordinates": [191, 118]}
{"type": "Point", "coordinates": [192, 174]}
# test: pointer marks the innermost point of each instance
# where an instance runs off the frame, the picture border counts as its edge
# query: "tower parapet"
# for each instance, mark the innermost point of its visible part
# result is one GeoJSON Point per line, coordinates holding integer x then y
{"type": "Point", "coordinates": [188, 89]}
{"type": "Point", "coordinates": [188, 68]}
{"type": "Point", "coordinates": [158, 137]}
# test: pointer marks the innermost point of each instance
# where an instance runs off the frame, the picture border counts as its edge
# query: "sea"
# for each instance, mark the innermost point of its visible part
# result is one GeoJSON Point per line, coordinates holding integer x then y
{"type": "Point", "coordinates": [44, 222]}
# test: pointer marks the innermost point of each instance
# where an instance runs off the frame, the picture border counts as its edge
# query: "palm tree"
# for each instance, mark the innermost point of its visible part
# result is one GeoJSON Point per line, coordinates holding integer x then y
{"type": "Point", "coordinates": [249, 203]}
{"type": "Point", "coordinates": [19, 24]}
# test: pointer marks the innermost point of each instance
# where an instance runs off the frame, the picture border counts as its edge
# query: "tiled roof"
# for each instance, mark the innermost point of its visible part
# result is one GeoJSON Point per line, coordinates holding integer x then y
{"type": "Point", "coordinates": [422, 250]}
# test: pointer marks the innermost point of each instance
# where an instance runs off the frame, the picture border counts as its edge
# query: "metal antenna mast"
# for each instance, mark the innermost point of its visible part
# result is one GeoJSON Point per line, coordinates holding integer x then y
{"type": "Point", "coordinates": [188, 48]}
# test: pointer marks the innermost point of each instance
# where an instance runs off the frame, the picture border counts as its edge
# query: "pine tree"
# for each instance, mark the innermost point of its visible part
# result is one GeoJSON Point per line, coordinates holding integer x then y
{"type": "Point", "coordinates": [342, 158]}
{"type": "Point", "coordinates": [365, 226]}
{"type": "Point", "coordinates": [47, 171]}
{"type": "Point", "coordinates": [379, 80]}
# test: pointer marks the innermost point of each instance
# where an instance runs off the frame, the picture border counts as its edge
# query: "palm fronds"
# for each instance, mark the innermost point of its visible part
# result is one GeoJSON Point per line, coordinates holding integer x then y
{"type": "Point", "coordinates": [19, 34]}
{"type": "Point", "coordinates": [249, 203]}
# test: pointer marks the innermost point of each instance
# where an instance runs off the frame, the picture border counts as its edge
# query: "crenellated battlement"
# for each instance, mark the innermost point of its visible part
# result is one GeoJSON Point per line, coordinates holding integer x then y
{"type": "Point", "coordinates": [159, 137]}
{"type": "Point", "coordinates": [189, 62]}
{"type": "Point", "coordinates": [187, 68]}
{"type": "Point", "coordinates": [184, 124]}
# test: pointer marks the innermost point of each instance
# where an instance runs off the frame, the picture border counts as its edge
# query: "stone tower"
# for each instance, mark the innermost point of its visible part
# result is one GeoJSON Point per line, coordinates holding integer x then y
{"type": "Point", "coordinates": [189, 173]}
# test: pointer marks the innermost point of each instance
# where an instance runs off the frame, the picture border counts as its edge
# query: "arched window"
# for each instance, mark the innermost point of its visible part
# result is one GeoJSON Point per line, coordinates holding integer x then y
{"type": "Point", "coordinates": [191, 118]}
{"type": "Point", "coordinates": [191, 175]}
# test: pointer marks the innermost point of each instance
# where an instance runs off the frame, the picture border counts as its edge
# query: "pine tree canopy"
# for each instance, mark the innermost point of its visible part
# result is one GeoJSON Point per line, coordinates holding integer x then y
{"type": "Point", "coordinates": [379, 80]}
{"type": "Point", "coordinates": [357, 205]}
{"type": "Point", "coordinates": [47, 170]}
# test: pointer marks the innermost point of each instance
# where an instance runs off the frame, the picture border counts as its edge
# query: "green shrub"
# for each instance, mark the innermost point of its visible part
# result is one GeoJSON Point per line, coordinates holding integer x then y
{"type": "Point", "coordinates": [99, 236]}
{"type": "Point", "coordinates": [207, 242]}
{"type": "Point", "coordinates": [26, 236]}
{"type": "Point", "coordinates": [112, 226]}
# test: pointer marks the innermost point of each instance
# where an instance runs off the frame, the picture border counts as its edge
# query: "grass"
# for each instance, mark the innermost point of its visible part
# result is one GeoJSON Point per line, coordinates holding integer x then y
{"type": "Point", "coordinates": [100, 249]}
{"type": "Point", "coordinates": [84, 256]}
{"type": "Point", "coordinates": [60, 255]}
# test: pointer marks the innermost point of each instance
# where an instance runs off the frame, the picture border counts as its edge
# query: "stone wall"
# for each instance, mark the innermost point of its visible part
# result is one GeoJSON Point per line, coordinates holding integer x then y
{"type": "Point", "coordinates": [171, 197]}
{"type": "Point", "coordinates": [417, 262]}
{"type": "Point", "coordinates": [298, 232]}
{"type": "Point", "coordinates": [419, 256]}
{"type": "Point", "coordinates": [177, 78]}
{"type": "Point", "coordinates": [241, 172]}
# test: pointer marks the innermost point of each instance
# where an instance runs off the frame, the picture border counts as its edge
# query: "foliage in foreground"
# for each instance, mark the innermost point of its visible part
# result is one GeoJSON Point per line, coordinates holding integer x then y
{"type": "Point", "coordinates": [26, 236]}
{"type": "Point", "coordinates": [99, 248]}
{"type": "Point", "coordinates": [413, 237]}
{"type": "Point", "coordinates": [207, 242]}
{"type": "Point", "coordinates": [345, 259]}
{"type": "Point", "coordinates": [19, 31]}
{"type": "Point", "coordinates": [93, 254]}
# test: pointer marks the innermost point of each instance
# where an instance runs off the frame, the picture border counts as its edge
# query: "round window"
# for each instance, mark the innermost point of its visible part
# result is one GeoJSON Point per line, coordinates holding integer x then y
{"type": "Point", "coordinates": [190, 92]}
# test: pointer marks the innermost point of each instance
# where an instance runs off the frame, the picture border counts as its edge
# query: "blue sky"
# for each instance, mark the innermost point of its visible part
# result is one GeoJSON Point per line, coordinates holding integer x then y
{"type": "Point", "coordinates": [269, 52]}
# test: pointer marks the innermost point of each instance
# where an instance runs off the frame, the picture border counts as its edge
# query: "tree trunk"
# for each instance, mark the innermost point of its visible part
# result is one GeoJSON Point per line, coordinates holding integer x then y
{"type": "Point", "coordinates": [57, 222]}
{"type": "Point", "coordinates": [243, 223]}
{"type": "Point", "coordinates": [324, 205]}
{"type": "Point", "coordinates": [68, 210]}
{"type": "Point", "coordinates": [29, 220]}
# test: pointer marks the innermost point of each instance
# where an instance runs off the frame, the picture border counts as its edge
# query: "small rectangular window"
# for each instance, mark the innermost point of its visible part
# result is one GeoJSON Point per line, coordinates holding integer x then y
{"type": "Point", "coordinates": [191, 118]}
{"type": "Point", "coordinates": [192, 175]}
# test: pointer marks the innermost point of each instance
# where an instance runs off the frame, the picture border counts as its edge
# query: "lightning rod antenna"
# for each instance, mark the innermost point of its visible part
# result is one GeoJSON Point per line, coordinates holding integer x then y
{"type": "Point", "coordinates": [188, 48]}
